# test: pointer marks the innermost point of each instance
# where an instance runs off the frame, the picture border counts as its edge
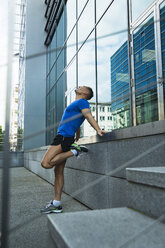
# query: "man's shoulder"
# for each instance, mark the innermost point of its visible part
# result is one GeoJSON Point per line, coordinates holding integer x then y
{"type": "Point", "coordinates": [82, 100]}
{"type": "Point", "coordinates": [80, 103]}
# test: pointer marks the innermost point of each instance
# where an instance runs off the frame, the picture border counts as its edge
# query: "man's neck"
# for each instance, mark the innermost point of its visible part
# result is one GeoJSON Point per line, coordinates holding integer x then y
{"type": "Point", "coordinates": [79, 97]}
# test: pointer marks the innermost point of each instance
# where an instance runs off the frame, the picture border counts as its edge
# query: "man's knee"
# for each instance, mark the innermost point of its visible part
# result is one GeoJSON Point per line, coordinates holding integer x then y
{"type": "Point", "coordinates": [45, 165]}
{"type": "Point", "coordinates": [53, 162]}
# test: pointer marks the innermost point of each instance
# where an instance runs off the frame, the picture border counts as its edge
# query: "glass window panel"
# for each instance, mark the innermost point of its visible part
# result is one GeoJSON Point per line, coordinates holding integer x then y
{"type": "Point", "coordinates": [48, 125]}
{"type": "Point", "coordinates": [52, 58]}
{"type": "Point", "coordinates": [60, 34]}
{"type": "Point", "coordinates": [71, 46]}
{"type": "Point", "coordinates": [112, 68]}
{"type": "Point", "coordinates": [86, 77]}
{"type": "Point", "coordinates": [162, 27]}
{"type": "Point", "coordinates": [47, 61]}
{"type": "Point", "coordinates": [60, 42]}
{"type": "Point", "coordinates": [101, 6]}
{"type": "Point", "coordinates": [70, 15]}
{"type": "Point", "coordinates": [52, 98]}
{"type": "Point", "coordinates": [138, 7]}
{"type": "Point", "coordinates": [52, 76]}
{"type": "Point", "coordinates": [47, 106]}
{"type": "Point", "coordinates": [70, 83]}
{"type": "Point", "coordinates": [59, 98]}
{"type": "Point", "coordinates": [47, 138]}
{"type": "Point", "coordinates": [47, 84]}
{"type": "Point", "coordinates": [60, 64]}
{"type": "Point", "coordinates": [52, 53]}
{"type": "Point", "coordinates": [52, 122]}
{"type": "Point", "coordinates": [86, 22]}
{"type": "Point", "coordinates": [81, 5]}
{"type": "Point", "coordinates": [145, 72]}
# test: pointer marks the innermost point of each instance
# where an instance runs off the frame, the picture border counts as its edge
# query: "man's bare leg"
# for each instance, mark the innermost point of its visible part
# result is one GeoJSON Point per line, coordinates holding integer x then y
{"type": "Point", "coordinates": [60, 158]}
{"type": "Point", "coordinates": [59, 180]}
{"type": "Point", "coordinates": [55, 156]}
{"type": "Point", "coordinates": [49, 155]}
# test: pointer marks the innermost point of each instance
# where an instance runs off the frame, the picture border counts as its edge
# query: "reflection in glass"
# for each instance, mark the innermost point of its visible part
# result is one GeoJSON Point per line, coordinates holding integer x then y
{"type": "Point", "coordinates": [59, 88]}
{"type": "Point", "coordinates": [70, 15]}
{"type": "Point", "coordinates": [86, 22]}
{"type": "Point", "coordinates": [70, 75]}
{"type": "Point", "coordinates": [60, 34]}
{"type": "Point", "coordinates": [145, 72]}
{"type": "Point", "coordinates": [53, 52]}
{"type": "Point", "coordinates": [47, 84]}
{"type": "Point", "coordinates": [52, 98]}
{"type": "Point", "coordinates": [52, 131]}
{"type": "Point", "coordinates": [101, 6]}
{"type": "Point", "coordinates": [47, 117]}
{"type": "Point", "coordinates": [120, 87]}
{"type": "Point", "coordinates": [138, 7]}
{"type": "Point", "coordinates": [70, 83]}
{"type": "Point", "coordinates": [112, 68]}
{"type": "Point", "coordinates": [86, 73]}
{"type": "Point", "coordinates": [52, 76]}
{"type": "Point", "coordinates": [55, 89]}
{"type": "Point", "coordinates": [71, 46]}
{"type": "Point", "coordinates": [52, 58]}
{"type": "Point", "coordinates": [60, 42]}
{"type": "Point", "coordinates": [162, 26]}
{"type": "Point", "coordinates": [81, 5]}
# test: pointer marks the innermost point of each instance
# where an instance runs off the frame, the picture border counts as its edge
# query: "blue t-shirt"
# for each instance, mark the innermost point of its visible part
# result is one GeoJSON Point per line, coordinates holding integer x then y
{"type": "Point", "coordinates": [69, 128]}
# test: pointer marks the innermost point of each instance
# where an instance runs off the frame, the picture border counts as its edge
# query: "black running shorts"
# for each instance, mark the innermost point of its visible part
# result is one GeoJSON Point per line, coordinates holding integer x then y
{"type": "Point", "coordinates": [64, 141]}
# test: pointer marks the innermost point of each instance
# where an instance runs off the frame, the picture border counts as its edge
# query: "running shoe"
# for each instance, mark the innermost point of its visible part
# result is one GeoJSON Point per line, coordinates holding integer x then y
{"type": "Point", "coordinates": [78, 148]}
{"type": "Point", "coordinates": [50, 208]}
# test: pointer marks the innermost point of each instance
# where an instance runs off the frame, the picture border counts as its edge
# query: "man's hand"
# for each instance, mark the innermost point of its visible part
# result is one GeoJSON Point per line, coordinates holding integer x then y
{"type": "Point", "coordinates": [101, 132]}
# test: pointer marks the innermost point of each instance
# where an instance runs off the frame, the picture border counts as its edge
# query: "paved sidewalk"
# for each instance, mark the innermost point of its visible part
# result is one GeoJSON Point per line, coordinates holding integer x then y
{"type": "Point", "coordinates": [29, 193]}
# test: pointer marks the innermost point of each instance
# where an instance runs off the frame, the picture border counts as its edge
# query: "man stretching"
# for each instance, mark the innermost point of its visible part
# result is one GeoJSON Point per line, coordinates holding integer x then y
{"type": "Point", "coordinates": [63, 146]}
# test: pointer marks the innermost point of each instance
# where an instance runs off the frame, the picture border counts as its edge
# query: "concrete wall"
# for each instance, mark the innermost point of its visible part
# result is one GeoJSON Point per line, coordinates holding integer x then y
{"type": "Point", "coordinates": [35, 75]}
{"type": "Point", "coordinates": [17, 159]}
{"type": "Point", "coordinates": [98, 178]}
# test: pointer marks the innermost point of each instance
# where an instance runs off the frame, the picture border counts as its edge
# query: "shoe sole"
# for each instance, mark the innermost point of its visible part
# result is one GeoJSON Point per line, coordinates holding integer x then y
{"type": "Point", "coordinates": [52, 211]}
{"type": "Point", "coordinates": [57, 211]}
{"type": "Point", "coordinates": [84, 148]}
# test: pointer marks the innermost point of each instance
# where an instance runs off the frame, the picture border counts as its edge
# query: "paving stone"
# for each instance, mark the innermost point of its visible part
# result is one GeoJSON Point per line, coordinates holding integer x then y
{"type": "Point", "coordinates": [28, 194]}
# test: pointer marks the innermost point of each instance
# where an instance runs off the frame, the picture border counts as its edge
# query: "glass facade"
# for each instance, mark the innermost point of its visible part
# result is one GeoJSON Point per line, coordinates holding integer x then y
{"type": "Point", "coordinates": [120, 87]}
{"type": "Point", "coordinates": [138, 7]}
{"type": "Point", "coordinates": [90, 47]}
{"type": "Point", "coordinates": [55, 80]}
{"type": "Point", "coordinates": [145, 72]}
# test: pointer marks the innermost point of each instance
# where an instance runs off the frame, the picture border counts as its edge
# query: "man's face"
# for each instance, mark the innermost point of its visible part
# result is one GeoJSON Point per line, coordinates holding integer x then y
{"type": "Point", "coordinates": [82, 90]}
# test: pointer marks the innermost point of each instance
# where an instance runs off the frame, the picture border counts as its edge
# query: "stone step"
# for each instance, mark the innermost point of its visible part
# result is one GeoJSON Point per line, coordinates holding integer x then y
{"type": "Point", "coordinates": [146, 190]}
{"type": "Point", "coordinates": [154, 176]}
{"type": "Point", "coordinates": [108, 228]}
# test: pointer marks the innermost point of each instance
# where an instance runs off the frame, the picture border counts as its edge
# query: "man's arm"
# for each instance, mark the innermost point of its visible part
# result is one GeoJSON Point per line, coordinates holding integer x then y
{"type": "Point", "coordinates": [87, 114]}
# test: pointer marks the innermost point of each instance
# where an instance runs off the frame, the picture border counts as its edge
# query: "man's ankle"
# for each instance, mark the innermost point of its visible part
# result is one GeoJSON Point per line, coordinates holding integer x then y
{"type": "Point", "coordinates": [56, 203]}
{"type": "Point", "coordinates": [74, 152]}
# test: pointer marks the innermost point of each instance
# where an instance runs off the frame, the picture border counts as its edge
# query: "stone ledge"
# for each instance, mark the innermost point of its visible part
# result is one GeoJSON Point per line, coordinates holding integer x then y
{"type": "Point", "coordinates": [148, 129]}
{"type": "Point", "coordinates": [153, 176]}
{"type": "Point", "coordinates": [110, 228]}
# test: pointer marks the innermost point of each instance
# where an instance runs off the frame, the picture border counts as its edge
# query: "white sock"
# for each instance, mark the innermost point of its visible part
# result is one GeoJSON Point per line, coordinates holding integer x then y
{"type": "Point", "coordinates": [56, 203]}
{"type": "Point", "coordinates": [74, 152]}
